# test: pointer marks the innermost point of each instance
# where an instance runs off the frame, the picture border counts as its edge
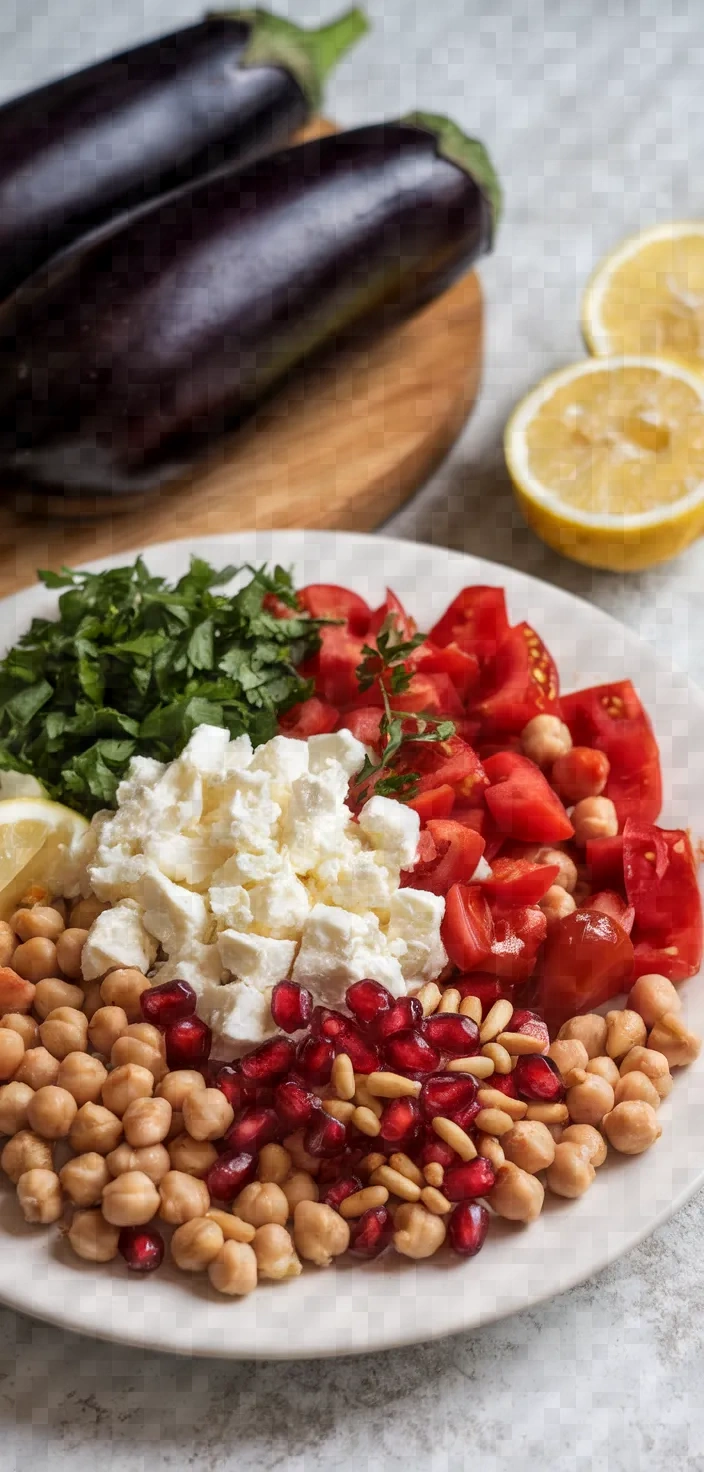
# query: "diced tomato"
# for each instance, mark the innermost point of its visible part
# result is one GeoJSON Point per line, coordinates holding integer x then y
{"type": "Point", "coordinates": [364, 723]}
{"type": "Point", "coordinates": [520, 682]}
{"type": "Point", "coordinates": [492, 748]}
{"type": "Point", "coordinates": [587, 959]}
{"type": "Point", "coordinates": [488, 989]}
{"type": "Point", "coordinates": [391, 606]}
{"type": "Point", "coordinates": [613, 904]}
{"type": "Point", "coordinates": [467, 927]}
{"type": "Point", "coordinates": [458, 851]}
{"type": "Point", "coordinates": [521, 801]}
{"type": "Point", "coordinates": [476, 620]}
{"type": "Point", "coordinates": [612, 718]}
{"type": "Point", "coordinates": [440, 763]}
{"type": "Point", "coordinates": [518, 882]}
{"type": "Point", "coordinates": [466, 728]}
{"type": "Point", "coordinates": [605, 862]}
{"type": "Point", "coordinates": [426, 853]}
{"type": "Point", "coordinates": [461, 667]}
{"type": "Point", "coordinates": [435, 694]}
{"type": "Point", "coordinates": [661, 884]}
{"type": "Point", "coordinates": [581, 772]}
{"type": "Point", "coordinates": [312, 717]}
{"type": "Point", "coordinates": [275, 605]}
{"type": "Point", "coordinates": [473, 817]}
{"type": "Point", "coordinates": [334, 666]}
{"type": "Point", "coordinates": [326, 600]}
{"type": "Point", "coordinates": [437, 802]}
{"type": "Point", "coordinates": [518, 935]}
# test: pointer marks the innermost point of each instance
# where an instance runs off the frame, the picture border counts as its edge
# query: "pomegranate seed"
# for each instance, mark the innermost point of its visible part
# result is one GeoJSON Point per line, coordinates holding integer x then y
{"type": "Point", "coordinates": [529, 1023]}
{"type": "Point", "coordinates": [255, 1127]}
{"type": "Point", "coordinates": [231, 1083]}
{"type": "Point", "coordinates": [538, 1079]}
{"type": "Point", "coordinates": [314, 1059]}
{"type": "Point", "coordinates": [457, 1036]}
{"type": "Point", "coordinates": [294, 1105]}
{"type": "Point", "coordinates": [188, 1043]}
{"type": "Point", "coordinates": [447, 1094]}
{"type": "Point", "coordinates": [333, 1167]}
{"type": "Point", "coordinates": [505, 1083]}
{"type": "Point", "coordinates": [324, 1135]}
{"type": "Point", "coordinates": [339, 1190]}
{"type": "Point", "coordinates": [367, 1000]}
{"type": "Point", "coordinates": [230, 1173]}
{"type": "Point", "coordinates": [268, 1062]}
{"type": "Point", "coordinates": [411, 1053]}
{"type": "Point", "coordinates": [346, 1038]}
{"type": "Point", "coordinates": [406, 1012]}
{"type": "Point", "coordinates": [170, 1002]}
{"type": "Point", "coordinates": [471, 1178]}
{"type": "Point", "coordinates": [487, 988]}
{"type": "Point", "coordinates": [142, 1248]}
{"type": "Point", "coordinates": [400, 1121]}
{"type": "Point", "coordinates": [291, 1006]}
{"type": "Point", "coordinates": [371, 1233]}
{"type": "Point", "coordinates": [467, 1228]}
{"type": "Point", "coordinates": [436, 1152]}
{"type": "Point", "coordinates": [465, 1117]}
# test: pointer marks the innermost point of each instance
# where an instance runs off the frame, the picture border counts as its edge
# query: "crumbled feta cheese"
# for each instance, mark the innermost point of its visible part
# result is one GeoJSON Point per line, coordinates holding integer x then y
{"type": "Point", "coordinates": [336, 746]}
{"type": "Point", "coordinates": [247, 816]}
{"type": "Point", "coordinates": [392, 828]}
{"type": "Point", "coordinates": [355, 880]}
{"type": "Point", "coordinates": [338, 948]}
{"type": "Point", "coordinates": [259, 960]}
{"type": "Point", "coordinates": [414, 934]}
{"type": "Point", "coordinates": [173, 915]}
{"type": "Point", "coordinates": [283, 758]}
{"type": "Point", "coordinates": [117, 938]}
{"type": "Point", "coordinates": [230, 904]}
{"type": "Point", "coordinates": [143, 772]}
{"type": "Point", "coordinates": [279, 905]}
{"type": "Point", "coordinates": [241, 1017]}
{"type": "Point", "coordinates": [317, 817]}
{"type": "Point", "coordinates": [206, 752]}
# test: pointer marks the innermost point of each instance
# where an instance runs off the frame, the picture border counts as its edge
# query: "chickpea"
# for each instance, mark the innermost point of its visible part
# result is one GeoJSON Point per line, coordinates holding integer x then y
{"type": "Point", "coordinates": [231, 1227]}
{"type": "Point", "coordinates": [674, 1040]}
{"type": "Point", "coordinates": [52, 993]}
{"type": "Point", "coordinates": [572, 1172]}
{"type": "Point", "coordinates": [624, 1030]}
{"type": "Point", "coordinates": [123, 988]}
{"type": "Point", "coordinates": [632, 1127]}
{"type": "Point", "coordinates": [177, 1085]}
{"type": "Point", "coordinates": [11, 1053]}
{"type": "Point", "coordinates": [51, 1112]}
{"type": "Point", "coordinates": [604, 1068]}
{"type": "Point", "coordinates": [39, 1196]}
{"type": "Point", "coordinates": [37, 1068]}
{"type": "Point", "coordinates": [587, 1137]}
{"type": "Point", "coordinates": [234, 1270]}
{"type": "Point", "coordinates": [567, 875]}
{"type": "Point", "coordinates": [35, 959]}
{"type": "Point", "coordinates": [568, 1053]}
{"type": "Point", "coordinates": [299, 1155]}
{"type": "Point", "coordinates": [589, 1029]}
{"type": "Point", "coordinates": [319, 1233]}
{"type": "Point", "coordinates": [517, 1195]}
{"type": "Point", "coordinates": [92, 999]}
{"type": "Point", "coordinates": [196, 1243]}
{"type": "Point", "coordinates": [64, 1031]}
{"type": "Point", "coordinates": [650, 1062]}
{"type": "Point", "coordinates": [25, 1026]}
{"type": "Point", "coordinates": [132, 1050]}
{"type": "Point", "coordinates": [126, 1083]}
{"type": "Point", "coordinates": [25, 1151]}
{"type": "Point", "coordinates": [92, 1237]}
{"type": "Point", "coordinates": [69, 949]}
{"type": "Point", "coordinates": [8, 943]}
{"type": "Point", "coordinates": [207, 1114]}
{"type": "Point", "coordinates": [85, 912]}
{"type": "Point", "coordinates": [589, 1101]}
{"type": "Point", "coordinates": [637, 1085]}
{"type": "Point", "coordinates": [275, 1253]}
{"type": "Point", "coordinates": [146, 1122]}
{"type": "Point", "coordinates": [182, 1197]}
{"type": "Point", "coordinates": [153, 1160]}
{"type": "Point", "coordinates": [529, 1145]}
{"type": "Point", "coordinates": [83, 1076]}
{"type": "Point", "coordinates": [15, 1099]}
{"type": "Point", "coordinates": [261, 1203]}
{"type": "Point", "coordinates": [95, 1129]}
{"type": "Point", "coordinates": [418, 1233]}
{"type": "Point", "coordinates": [16, 993]}
{"type": "Point", "coordinates": [544, 739]}
{"type": "Point", "coordinates": [274, 1164]}
{"type": "Point", "coordinates": [41, 920]}
{"type": "Point", "coordinates": [299, 1187]}
{"type": "Point", "coordinates": [193, 1157]}
{"type": "Point", "coordinates": [556, 904]}
{"type": "Point", "coordinates": [487, 1146]}
{"type": "Point", "coordinates": [84, 1178]}
{"type": "Point", "coordinates": [594, 817]}
{"type": "Point", "coordinates": [107, 1025]}
{"type": "Point", "coordinates": [130, 1200]}
{"type": "Point", "coordinates": [652, 996]}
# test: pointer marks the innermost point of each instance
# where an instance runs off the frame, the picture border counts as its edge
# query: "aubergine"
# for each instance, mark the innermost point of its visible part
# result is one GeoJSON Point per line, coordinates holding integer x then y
{"type": "Point", "coordinates": [122, 360]}
{"type": "Point", "coordinates": [82, 149]}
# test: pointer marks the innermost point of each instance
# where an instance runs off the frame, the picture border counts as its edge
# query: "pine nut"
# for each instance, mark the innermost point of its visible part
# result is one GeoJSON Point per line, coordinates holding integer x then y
{"type": "Point", "coordinates": [435, 1201]}
{"type": "Point", "coordinates": [494, 1099]}
{"type": "Point", "coordinates": [362, 1095]}
{"type": "Point", "coordinates": [342, 1077]}
{"type": "Point", "coordinates": [434, 1173]}
{"type": "Point", "coordinates": [450, 1000]}
{"type": "Point", "coordinates": [500, 1058]}
{"type": "Point", "coordinates": [493, 1122]}
{"type": "Point", "coordinates": [479, 1067]}
{"type": "Point", "coordinates": [547, 1113]}
{"type": "Point", "coordinates": [495, 1021]}
{"type": "Point", "coordinates": [471, 1007]}
{"type": "Point", "coordinates": [340, 1109]}
{"type": "Point", "coordinates": [490, 1149]}
{"type": "Point", "coordinates": [520, 1043]}
{"type": "Point", "coordinates": [372, 1162]}
{"type": "Point", "coordinates": [429, 997]}
{"type": "Point", "coordinates": [456, 1138]}
{"type": "Point", "coordinates": [364, 1200]}
{"type": "Point", "coordinates": [366, 1121]}
{"type": "Point", "coordinates": [396, 1183]}
{"type": "Point", "coordinates": [392, 1086]}
{"type": "Point", "coordinates": [406, 1166]}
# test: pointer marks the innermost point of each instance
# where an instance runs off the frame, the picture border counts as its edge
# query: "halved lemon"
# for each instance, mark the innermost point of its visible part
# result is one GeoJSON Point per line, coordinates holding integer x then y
{"type": "Point", "coordinates": [39, 844]}
{"type": "Point", "coordinates": [607, 458]}
{"type": "Point", "coordinates": [647, 296]}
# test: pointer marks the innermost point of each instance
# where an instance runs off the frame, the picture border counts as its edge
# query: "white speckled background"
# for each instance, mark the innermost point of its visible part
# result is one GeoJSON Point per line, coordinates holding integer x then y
{"type": "Point", "coordinates": [594, 114]}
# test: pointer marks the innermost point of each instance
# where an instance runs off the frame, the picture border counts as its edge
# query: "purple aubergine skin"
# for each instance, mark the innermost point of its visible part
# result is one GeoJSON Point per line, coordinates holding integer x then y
{"type": "Point", "coordinates": [119, 364]}
{"type": "Point", "coordinates": [84, 148]}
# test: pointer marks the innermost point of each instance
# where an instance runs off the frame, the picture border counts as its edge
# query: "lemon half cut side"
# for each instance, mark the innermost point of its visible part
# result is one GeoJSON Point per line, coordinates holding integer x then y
{"type": "Point", "coordinates": [647, 296]}
{"type": "Point", "coordinates": [607, 459]}
{"type": "Point", "coordinates": [39, 843]}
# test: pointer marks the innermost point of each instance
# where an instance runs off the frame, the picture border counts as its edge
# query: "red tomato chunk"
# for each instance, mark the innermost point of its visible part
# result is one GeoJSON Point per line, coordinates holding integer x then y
{"type": "Point", "coordinates": [521, 801]}
{"type": "Point", "coordinates": [661, 885]}
{"type": "Point", "coordinates": [611, 718]}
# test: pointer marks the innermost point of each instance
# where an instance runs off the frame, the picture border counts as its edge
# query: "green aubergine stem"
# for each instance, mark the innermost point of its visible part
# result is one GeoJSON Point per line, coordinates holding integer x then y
{"type": "Point", "coordinates": [468, 153]}
{"type": "Point", "coordinates": [308, 55]}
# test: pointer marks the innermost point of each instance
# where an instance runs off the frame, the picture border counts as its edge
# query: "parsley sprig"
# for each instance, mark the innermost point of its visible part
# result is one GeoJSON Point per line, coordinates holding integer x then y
{"type": "Point", "coordinates": [388, 663]}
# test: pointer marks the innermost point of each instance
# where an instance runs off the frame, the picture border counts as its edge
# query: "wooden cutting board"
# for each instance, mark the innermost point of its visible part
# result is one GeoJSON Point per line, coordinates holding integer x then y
{"type": "Point", "coordinates": [344, 444]}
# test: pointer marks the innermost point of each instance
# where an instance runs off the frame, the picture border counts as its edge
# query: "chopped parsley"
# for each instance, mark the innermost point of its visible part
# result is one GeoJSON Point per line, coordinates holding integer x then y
{"type": "Point", "coordinates": [387, 663]}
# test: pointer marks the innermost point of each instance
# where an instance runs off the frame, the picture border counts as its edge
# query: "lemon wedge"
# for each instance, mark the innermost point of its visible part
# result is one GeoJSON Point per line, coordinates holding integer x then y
{"type": "Point", "coordinates": [39, 848]}
{"type": "Point", "coordinates": [648, 295]}
{"type": "Point", "coordinates": [607, 458]}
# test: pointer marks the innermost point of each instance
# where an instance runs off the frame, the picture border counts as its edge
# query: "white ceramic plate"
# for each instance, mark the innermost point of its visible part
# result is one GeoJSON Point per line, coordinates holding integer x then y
{"type": "Point", "coordinates": [357, 1307]}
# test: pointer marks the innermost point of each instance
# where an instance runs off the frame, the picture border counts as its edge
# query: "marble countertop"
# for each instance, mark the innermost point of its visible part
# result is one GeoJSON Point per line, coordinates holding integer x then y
{"type": "Point", "coordinates": [594, 117]}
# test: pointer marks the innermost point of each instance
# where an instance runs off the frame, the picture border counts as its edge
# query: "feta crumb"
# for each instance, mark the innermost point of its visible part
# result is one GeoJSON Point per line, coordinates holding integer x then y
{"type": "Point", "coordinates": [117, 938]}
{"type": "Point", "coordinates": [241, 1017]}
{"type": "Point", "coordinates": [392, 828]}
{"type": "Point", "coordinates": [257, 959]}
{"type": "Point", "coordinates": [173, 915]}
{"type": "Point", "coordinates": [338, 948]}
{"type": "Point", "coordinates": [414, 934]}
{"type": "Point", "coordinates": [336, 746]}
{"type": "Point", "coordinates": [279, 905]}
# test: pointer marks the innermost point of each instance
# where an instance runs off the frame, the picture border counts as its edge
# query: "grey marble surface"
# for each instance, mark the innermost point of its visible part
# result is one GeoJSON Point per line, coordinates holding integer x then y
{"type": "Point", "coordinates": [595, 116]}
